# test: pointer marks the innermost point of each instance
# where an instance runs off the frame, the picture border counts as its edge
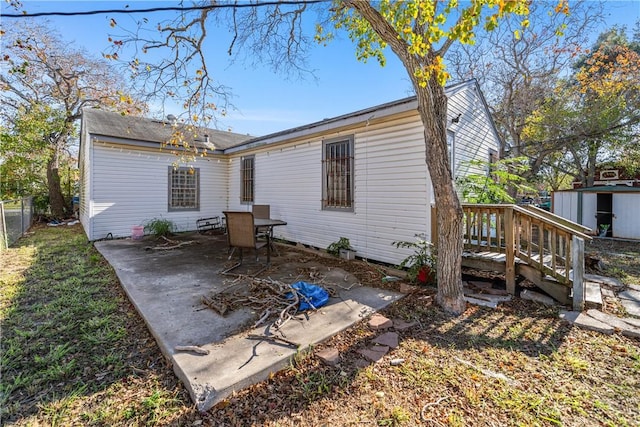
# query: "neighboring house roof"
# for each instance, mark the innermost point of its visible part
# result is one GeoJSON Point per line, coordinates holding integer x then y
{"type": "Point", "coordinates": [604, 189]}
{"type": "Point", "coordinates": [365, 115]}
{"type": "Point", "coordinates": [116, 127]}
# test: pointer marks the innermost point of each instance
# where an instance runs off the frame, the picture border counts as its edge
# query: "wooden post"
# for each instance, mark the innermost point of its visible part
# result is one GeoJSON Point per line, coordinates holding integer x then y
{"type": "Point", "coordinates": [509, 242]}
{"type": "Point", "coordinates": [577, 256]}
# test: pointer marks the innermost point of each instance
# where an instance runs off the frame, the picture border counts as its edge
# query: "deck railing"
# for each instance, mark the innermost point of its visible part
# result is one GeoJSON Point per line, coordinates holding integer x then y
{"type": "Point", "coordinates": [550, 246]}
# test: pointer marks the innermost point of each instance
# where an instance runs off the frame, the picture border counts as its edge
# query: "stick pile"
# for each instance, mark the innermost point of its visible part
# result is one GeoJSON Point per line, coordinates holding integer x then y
{"type": "Point", "coordinates": [271, 298]}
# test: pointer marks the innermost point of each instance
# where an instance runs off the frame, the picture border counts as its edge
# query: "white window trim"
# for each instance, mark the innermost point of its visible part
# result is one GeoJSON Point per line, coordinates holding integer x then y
{"type": "Point", "coordinates": [196, 173]}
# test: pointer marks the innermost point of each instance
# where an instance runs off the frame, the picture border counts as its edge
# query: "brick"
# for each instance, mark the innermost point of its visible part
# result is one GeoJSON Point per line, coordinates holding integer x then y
{"type": "Point", "coordinates": [608, 293]}
{"type": "Point", "coordinates": [378, 321]}
{"type": "Point", "coordinates": [329, 356]}
{"type": "Point", "coordinates": [632, 307]}
{"type": "Point", "coordinates": [609, 281]}
{"type": "Point", "coordinates": [373, 355]}
{"type": "Point", "coordinates": [400, 325]}
{"type": "Point", "coordinates": [389, 339]}
{"type": "Point", "coordinates": [632, 321]}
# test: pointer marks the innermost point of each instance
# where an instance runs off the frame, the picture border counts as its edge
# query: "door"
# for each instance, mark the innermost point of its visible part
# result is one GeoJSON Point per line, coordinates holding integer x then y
{"type": "Point", "coordinates": [626, 221]}
{"type": "Point", "coordinates": [604, 214]}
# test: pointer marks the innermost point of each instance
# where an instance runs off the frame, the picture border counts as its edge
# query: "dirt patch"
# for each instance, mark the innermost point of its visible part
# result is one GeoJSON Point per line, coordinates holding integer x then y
{"type": "Point", "coordinates": [619, 258]}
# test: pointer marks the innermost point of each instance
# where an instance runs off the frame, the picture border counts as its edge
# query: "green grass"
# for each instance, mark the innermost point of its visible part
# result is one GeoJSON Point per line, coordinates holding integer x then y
{"type": "Point", "coordinates": [74, 352]}
{"type": "Point", "coordinates": [65, 340]}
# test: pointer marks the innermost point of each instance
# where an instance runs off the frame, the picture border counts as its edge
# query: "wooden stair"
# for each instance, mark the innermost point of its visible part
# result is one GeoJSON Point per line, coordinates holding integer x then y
{"type": "Point", "coordinates": [542, 247]}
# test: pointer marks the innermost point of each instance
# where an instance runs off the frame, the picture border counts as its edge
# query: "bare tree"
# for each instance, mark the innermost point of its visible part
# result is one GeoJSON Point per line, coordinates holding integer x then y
{"type": "Point", "coordinates": [39, 70]}
{"type": "Point", "coordinates": [518, 73]}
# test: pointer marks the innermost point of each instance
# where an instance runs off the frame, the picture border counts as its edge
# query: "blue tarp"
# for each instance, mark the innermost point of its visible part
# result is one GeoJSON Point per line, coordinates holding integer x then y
{"type": "Point", "coordinates": [311, 296]}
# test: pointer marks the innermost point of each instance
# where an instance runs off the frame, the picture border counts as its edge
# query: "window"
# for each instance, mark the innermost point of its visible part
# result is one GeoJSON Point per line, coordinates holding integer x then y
{"type": "Point", "coordinates": [337, 172]}
{"type": "Point", "coordinates": [451, 148]}
{"type": "Point", "coordinates": [247, 179]}
{"type": "Point", "coordinates": [184, 189]}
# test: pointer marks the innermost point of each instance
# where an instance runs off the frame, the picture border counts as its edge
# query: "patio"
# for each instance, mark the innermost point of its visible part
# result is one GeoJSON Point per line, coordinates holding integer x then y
{"type": "Point", "coordinates": [167, 288]}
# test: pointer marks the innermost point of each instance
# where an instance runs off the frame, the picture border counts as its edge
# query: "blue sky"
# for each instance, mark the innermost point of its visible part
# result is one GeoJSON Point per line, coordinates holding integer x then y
{"type": "Point", "coordinates": [267, 102]}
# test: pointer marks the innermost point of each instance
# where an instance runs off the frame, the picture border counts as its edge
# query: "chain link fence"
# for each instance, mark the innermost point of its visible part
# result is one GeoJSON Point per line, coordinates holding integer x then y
{"type": "Point", "coordinates": [15, 219]}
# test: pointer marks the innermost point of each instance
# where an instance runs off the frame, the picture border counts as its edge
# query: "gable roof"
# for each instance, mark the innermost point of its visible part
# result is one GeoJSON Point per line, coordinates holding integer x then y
{"type": "Point", "coordinates": [360, 116]}
{"type": "Point", "coordinates": [148, 132]}
{"type": "Point", "coordinates": [119, 128]}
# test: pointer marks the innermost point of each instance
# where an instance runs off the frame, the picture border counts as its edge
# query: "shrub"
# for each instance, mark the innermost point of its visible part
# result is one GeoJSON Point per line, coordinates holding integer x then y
{"type": "Point", "coordinates": [342, 243]}
{"type": "Point", "coordinates": [421, 265]}
{"type": "Point", "coordinates": [160, 227]}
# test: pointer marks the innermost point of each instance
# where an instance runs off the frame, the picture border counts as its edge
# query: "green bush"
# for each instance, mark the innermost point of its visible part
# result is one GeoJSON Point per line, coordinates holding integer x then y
{"type": "Point", "coordinates": [343, 243]}
{"type": "Point", "coordinates": [421, 265]}
{"type": "Point", "coordinates": [160, 227]}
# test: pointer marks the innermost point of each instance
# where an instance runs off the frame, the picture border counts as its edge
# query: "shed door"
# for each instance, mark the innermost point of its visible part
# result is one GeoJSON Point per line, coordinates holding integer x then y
{"type": "Point", "coordinates": [605, 212]}
{"type": "Point", "coordinates": [626, 221]}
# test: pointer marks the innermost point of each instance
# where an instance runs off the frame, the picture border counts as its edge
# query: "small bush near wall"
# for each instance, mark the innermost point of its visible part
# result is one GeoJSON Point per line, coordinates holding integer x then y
{"type": "Point", "coordinates": [160, 227]}
{"type": "Point", "coordinates": [421, 265]}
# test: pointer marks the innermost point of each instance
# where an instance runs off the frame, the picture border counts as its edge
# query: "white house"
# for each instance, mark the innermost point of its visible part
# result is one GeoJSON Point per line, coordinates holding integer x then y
{"type": "Point", "coordinates": [360, 175]}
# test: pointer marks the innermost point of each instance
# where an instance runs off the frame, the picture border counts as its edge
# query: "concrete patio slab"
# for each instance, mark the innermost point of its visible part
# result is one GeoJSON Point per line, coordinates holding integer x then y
{"type": "Point", "coordinates": [167, 287]}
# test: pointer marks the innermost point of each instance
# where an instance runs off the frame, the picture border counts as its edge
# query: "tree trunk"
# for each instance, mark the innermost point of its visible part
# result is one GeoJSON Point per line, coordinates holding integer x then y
{"type": "Point", "coordinates": [56, 199]}
{"type": "Point", "coordinates": [591, 164]}
{"type": "Point", "coordinates": [432, 105]}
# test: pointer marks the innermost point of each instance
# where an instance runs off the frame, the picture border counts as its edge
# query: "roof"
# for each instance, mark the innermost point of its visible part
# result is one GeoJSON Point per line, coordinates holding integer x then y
{"type": "Point", "coordinates": [604, 189]}
{"type": "Point", "coordinates": [125, 129]}
{"type": "Point", "coordinates": [375, 112]}
{"type": "Point", "coordinates": [116, 126]}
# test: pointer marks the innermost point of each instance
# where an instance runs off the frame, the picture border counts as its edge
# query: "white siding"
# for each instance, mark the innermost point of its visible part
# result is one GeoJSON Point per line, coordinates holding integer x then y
{"type": "Point", "coordinates": [626, 223]}
{"type": "Point", "coordinates": [625, 207]}
{"type": "Point", "coordinates": [391, 190]}
{"type": "Point", "coordinates": [474, 132]}
{"type": "Point", "coordinates": [133, 189]}
{"type": "Point", "coordinates": [84, 212]}
{"type": "Point", "coordinates": [565, 204]}
{"type": "Point", "coordinates": [589, 205]}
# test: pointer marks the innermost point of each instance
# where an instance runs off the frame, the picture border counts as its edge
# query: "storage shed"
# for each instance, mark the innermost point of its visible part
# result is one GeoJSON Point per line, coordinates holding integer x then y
{"type": "Point", "coordinates": [608, 210]}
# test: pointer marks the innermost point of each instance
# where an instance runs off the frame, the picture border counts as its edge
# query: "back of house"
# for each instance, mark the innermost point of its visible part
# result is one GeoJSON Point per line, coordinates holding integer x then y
{"type": "Point", "coordinates": [360, 175]}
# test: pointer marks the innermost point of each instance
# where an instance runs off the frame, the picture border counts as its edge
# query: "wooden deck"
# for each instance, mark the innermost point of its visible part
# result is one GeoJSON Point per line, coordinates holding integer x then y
{"type": "Point", "coordinates": [529, 242]}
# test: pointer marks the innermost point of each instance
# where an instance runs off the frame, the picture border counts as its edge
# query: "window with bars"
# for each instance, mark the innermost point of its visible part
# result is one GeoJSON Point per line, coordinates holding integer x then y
{"type": "Point", "coordinates": [247, 178]}
{"type": "Point", "coordinates": [337, 172]}
{"type": "Point", "coordinates": [184, 189]}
